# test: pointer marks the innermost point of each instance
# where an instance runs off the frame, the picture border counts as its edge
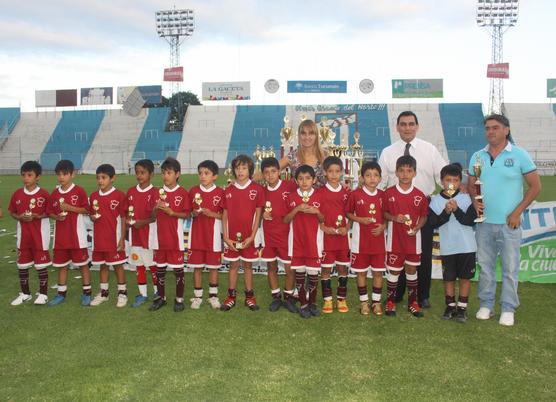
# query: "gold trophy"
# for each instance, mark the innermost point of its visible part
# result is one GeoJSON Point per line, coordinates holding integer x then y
{"type": "Point", "coordinates": [477, 169]}
{"type": "Point", "coordinates": [96, 208]}
{"type": "Point", "coordinates": [372, 212]}
{"type": "Point", "coordinates": [32, 204]}
{"type": "Point", "coordinates": [305, 196]}
{"type": "Point", "coordinates": [268, 208]}
{"type": "Point", "coordinates": [286, 134]}
{"type": "Point", "coordinates": [162, 195]}
{"type": "Point", "coordinates": [239, 241]}
{"type": "Point", "coordinates": [228, 172]}
{"type": "Point", "coordinates": [339, 221]}
{"type": "Point", "coordinates": [451, 190]}
{"type": "Point", "coordinates": [198, 200]}
{"type": "Point", "coordinates": [131, 215]}
{"type": "Point", "coordinates": [408, 222]}
{"type": "Point", "coordinates": [61, 202]}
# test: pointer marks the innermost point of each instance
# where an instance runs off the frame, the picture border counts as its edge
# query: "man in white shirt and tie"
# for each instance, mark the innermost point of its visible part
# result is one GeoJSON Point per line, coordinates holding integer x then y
{"type": "Point", "coordinates": [429, 164]}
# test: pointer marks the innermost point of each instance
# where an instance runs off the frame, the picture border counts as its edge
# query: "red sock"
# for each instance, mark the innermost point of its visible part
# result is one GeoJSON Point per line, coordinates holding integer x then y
{"type": "Point", "coordinates": [300, 284]}
{"type": "Point", "coordinates": [160, 281]}
{"type": "Point", "coordinates": [153, 274]}
{"type": "Point", "coordinates": [342, 287]}
{"type": "Point", "coordinates": [141, 275]}
{"type": "Point", "coordinates": [312, 288]}
{"type": "Point", "coordinates": [326, 289]}
{"type": "Point", "coordinates": [43, 281]}
{"type": "Point", "coordinates": [180, 282]}
{"type": "Point", "coordinates": [24, 281]}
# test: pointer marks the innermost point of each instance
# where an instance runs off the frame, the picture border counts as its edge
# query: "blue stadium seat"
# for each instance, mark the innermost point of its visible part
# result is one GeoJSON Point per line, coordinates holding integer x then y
{"type": "Point", "coordinates": [154, 142]}
{"type": "Point", "coordinates": [9, 116]}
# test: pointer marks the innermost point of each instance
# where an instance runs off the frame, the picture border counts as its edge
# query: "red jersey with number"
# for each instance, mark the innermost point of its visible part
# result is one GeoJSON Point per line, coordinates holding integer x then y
{"type": "Point", "coordinates": [107, 230]}
{"type": "Point", "coordinates": [71, 233]}
{"type": "Point", "coordinates": [275, 231]}
{"type": "Point", "coordinates": [334, 201]}
{"type": "Point", "coordinates": [167, 233]}
{"type": "Point", "coordinates": [142, 202]}
{"type": "Point", "coordinates": [363, 203]}
{"type": "Point", "coordinates": [242, 202]}
{"type": "Point", "coordinates": [206, 232]}
{"type": "Point", "coordinates": [36, 233]}
{"type": "Point", "coordinates": [413, 203]}
{"type": "Point", "coordinates": [305, 237]}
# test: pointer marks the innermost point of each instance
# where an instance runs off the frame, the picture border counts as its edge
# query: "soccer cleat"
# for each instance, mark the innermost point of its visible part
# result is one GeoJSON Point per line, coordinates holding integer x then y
{"type": "Point", "coordinates": [179, 306]}
{"type": "Point", "coordinates": [377, 308]}
{"type": "Point", "coordinates": [484, 313]}
{"type": "Point", "coordinates": [449, 313]}
{"type": "Point", "coordinates": [85, 300]}
{"type": "Point", "coordinates": [158, 303]}
{"type": "Point", "coordinates": [507, 319]}
{"type": "Point", "coordinates": [461, 315]}
{"type": "Point", "coordinates": [289, 304]}
{"type": "Point", "coordinates": [214, 302]}
{"type": "Point", "coordinates": [139, 301]}
{"type": "Point", "coordinates": [57, 300]}
{"type": "Point", "coordinates": [342, 306]}
{"type": "Point", "coordinates": [304, 312]}
{"type": "Point", "coordinates": [327, 307]}
{"type": "Point", "coordinates": [364, 308]}
{"type": "Point", "coordinates": [98, 300]}
{"type": "Point", "coordinates": [314, 310]}
{"type": "Point", "coordinates": [415, 310]}
{"type": "Point", "coordinates": [196, 303]}
{"type": "Point", "coordinates": [228, 304]}
{"type": "Point", "coordinates": [20, 299]}
{"type": "Point", "coordinates": [275, 305]}
{"type": "Point", "coordinates": [251, 302]}
{"type": "Point", "coordinates": [122, 300]}
{"type": "Point", "coordinates": [41, 299]}
{"type": "Point", "coordinates": [390, 309]}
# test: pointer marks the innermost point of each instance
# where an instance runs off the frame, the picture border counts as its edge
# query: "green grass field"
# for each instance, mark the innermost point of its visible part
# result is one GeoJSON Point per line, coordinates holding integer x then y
{"type": "Point", "coordinates": [104, 353]}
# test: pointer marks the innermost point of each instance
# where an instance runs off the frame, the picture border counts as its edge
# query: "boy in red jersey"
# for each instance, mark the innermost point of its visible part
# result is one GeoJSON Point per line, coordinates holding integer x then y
{"type": "Point", "coordinates": [243, 204]}
{"type": "Point", "coordinates": [275, 235]}
{"type": "Point", "coordinates": [205, 241]}
{"type": "Point", "coordinates": [170, 209]}
{"type": "Point", "coordinates": [305, 240]}
{"type": "Point", "coordinates": [336, 242]}
{"type": "Point", "coordinates": [368, 251]}
{"type": "Point", "coordinates": [107, 211]}
{"type": "Point", "coordinates": [140, 199]}
{"type": "Point", "coordinates": [406, 210]}
{"type": "Point", "coordinates": [28, 207]}
{"type": "Point", "coordinates": [68, 207]}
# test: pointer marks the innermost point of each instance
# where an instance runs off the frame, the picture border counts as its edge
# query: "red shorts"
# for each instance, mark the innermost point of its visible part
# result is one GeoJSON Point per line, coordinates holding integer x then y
{"type": "Point", "coordinates": [169, 258]}
{"type": "Point", "coordinates": [75, 256]}
{"type": "Point", "coordinates": [249, 254]}
{"type": "Point", "coordinates": [305, 262]}
{"type": "Point", "coordinates": [275, 253]}
{"type": "Point", "coordinates": [109, 257]}
{"type": "Point", "coordinates": [396, 261]}
{"type": "Point", "coordinates": [27, 257]}
{"type": "Point", "coordinates": [332, 257]}
{"type": "Point", "coordinates": [364, 262]}
{"type": "Point", "coordinates": [203, 258]}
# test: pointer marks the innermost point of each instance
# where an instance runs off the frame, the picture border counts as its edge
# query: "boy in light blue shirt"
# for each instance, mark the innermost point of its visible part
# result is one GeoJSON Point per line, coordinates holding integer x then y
{"type": "Point", "coordinates": [453, 214]}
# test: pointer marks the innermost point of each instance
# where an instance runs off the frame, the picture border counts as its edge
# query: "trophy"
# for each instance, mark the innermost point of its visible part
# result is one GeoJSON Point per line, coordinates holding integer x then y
{"type": "Point", "coordinates": [198, 200]}
{"type": "Point", "coordinates": [96, 208]}
{"type": "Point", "coordinates": [61, 202]}
{"type": "Point", "coordinates": [286, 134]}
{"type": "Point", "coordinates": [239, 241]}
{"type": "Point", "coordinates": [408, 223]}
{"type": "Point", "coordinates": [305, 196]}
{"type": "Point", "coordinates": [372, 212]}
{"type": "Point", "coordinates": [32, 204]}
{"type": "Point", "coordinates": [258, 156]}
{"type": "Point", "coordinates": [162, 195]}
{"type": "Point", "coordinates": [130, 215]}
{"type": "Point", "coordinates": [339, 221]}
{"type": "Point", "coordinates": [477, 169]}
{"type": "Point", "coordinates": [451, 190]}
{"type": "Point", "coordinates": [268, 208]}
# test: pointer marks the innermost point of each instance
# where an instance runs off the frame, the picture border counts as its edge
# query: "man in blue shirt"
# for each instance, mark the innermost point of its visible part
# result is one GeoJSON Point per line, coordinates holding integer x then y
{"type": "Point", "coordinates": [503, 168]}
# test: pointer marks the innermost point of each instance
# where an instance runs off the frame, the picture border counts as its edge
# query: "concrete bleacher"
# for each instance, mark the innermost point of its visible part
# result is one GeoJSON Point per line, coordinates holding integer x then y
{"type": "Point", "coordinates": [154, 142]}
{"type": "Point", "coordinates": [9, 116]}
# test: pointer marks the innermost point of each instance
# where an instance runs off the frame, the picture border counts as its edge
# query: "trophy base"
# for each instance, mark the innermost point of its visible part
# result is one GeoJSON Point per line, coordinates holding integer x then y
{"type": "Point", "coordinates": [239, 246]}
{"type": "Point", "coordinates": [411, 232]}
{"type": "Point", "coordinates": [480, 219]}
{"type": "Point", "coordinates": [96, 216]}
{"type": "Point", "coordinates": [64, 213]}
{"type": "Point", "coordinates": [131, 223]}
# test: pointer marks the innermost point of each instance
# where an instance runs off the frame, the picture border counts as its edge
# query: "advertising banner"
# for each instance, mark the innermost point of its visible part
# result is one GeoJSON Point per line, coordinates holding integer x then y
{"type": "Point", "coordinates": [500, 70]}
{"type": "Point", "coordinates": [317, 87]}
{"type": "Point", "coordinates": [56, 98]}
{"type": "Point", "coordinates": [417, 88]}
{"type": "Point", "coordinates": [45, 98]}
{"type": "Point", "coordinates": [173, 74]}
{"type": "Point", "coordinates": [152, 94]}
{"type": "Point", "coordinates": [551, 88]}
{"type": "Point", "coordinates": [238, 90]}
{"type": "Point", "coordinates": [96, 96]}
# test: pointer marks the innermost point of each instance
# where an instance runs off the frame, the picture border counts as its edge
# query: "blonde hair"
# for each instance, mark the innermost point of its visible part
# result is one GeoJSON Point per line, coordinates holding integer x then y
{"type": "Point", "coordinates": [317, 149]}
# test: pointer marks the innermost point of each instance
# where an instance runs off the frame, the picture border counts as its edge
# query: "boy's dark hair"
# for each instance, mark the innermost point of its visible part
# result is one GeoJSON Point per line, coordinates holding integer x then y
{"type": "Point", "coordinates": [171, 164]}
{"type": "Point", "coordinates": [305, 169]}
{"type": "Point", "coordinates": [407, 113]}
{"type": "Point", "coordinates": [453, 169]}
{"type": "Point", "coordinates": [243, 160]}
{"type": "Point", "coordinates": [64, 166]}
{"type": "Point", "coordinates": [210, 165]}
{"type": "Point", "coordinates": [146, 164]}
{"type": "Point", "coordinates": [270, 162]}
{"type": "Point", "coordinates": [406, 160]}
{"type": "Point", "coordinates": [332, 160]}
{"type": "Point", "coordinates": [106, 169]}
{"type": "Point", "coordinates": [31, 166]}
{"type": "Point", "coordinates": [370, 165]}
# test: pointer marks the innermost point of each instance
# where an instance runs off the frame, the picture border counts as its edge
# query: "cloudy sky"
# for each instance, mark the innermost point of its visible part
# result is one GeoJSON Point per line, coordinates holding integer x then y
{"type": "Point", "coordinates": [73, 44]}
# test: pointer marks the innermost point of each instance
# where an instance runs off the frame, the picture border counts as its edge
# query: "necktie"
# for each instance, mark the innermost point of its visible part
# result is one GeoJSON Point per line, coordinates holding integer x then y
{"type": "Point", "coordinates": [406, 152]}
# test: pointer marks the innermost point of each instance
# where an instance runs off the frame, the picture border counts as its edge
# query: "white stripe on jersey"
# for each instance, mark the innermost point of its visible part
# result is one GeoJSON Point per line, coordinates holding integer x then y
{"type": "Point", "coordinates": [18, 235]}
{"type": "Point", "coordinates": [418, 242]}
{"type": "Point", "coordinates": [259, 237]}
{"type": "Point", "coordinates": [153, 236]}
{"type": "Point", "coordinates": [81, 231]}
{"type": "Point", "coordinates": [118, 229]}
{"type": "Point", "coordinates": [190, 238]}
{"type": "Point", "coordinates": [45, 233]}
{"type": "Point", "coordinates": [216, 236]}
{"type": "Point", "coordinates": [181, 239]}
{"type": "Point", "coordinates": [320, 241]}
{"type": "Point", "coordinates": [356, 237]}
{"type": "Point", "coordinates": [290, 240]}
{"type": "Point", "coordinates": [389, 236]}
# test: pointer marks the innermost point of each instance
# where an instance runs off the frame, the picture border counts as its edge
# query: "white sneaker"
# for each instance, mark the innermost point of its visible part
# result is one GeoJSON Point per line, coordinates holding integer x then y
{"type": "Point", "coordinates": [484, 314]}
{"type": "Point", "coordinates": [22, 298]}
{"type": "Point", "coordinates": [41, 299]}
{"type": "Point", "coordinates": [507, 319]}
{"type": "Point", "coordinates": [214, 302]}
{"type": "Point", "coordinates": [122, 300]}
{"type": "Point", "coordinates": [196, 303]}
{"type": "Point", "coordinates": [98, 300]}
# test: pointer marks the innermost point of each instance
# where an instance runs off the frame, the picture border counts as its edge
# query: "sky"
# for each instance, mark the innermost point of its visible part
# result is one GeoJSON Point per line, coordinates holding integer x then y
{"type": "Point", "coordinates": [62, 44]}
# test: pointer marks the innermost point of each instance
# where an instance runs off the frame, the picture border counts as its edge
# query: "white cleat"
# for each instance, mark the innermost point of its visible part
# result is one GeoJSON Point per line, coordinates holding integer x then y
{"type": "Point", "coordinates": [196, 303]}
{"type": "Point", "coordinates": [214, 302]}
{"type": "Point", "coordinates": [507, 319]}
{"type": "Point", "coordinates": [98, 300]}
{"type": "Point", "coordinates": [20, 299]}
{"type": "Point", "coordinates": [122, 300]}
{"type": "Point", "coordinates": [41, 299]}
{"type": "Point", "coordinates": [484, 314]}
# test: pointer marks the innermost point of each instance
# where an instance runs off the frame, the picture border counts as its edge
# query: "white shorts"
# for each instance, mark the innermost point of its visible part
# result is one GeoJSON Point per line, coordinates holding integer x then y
{"type": "Point", "coordinates": [140, 256]}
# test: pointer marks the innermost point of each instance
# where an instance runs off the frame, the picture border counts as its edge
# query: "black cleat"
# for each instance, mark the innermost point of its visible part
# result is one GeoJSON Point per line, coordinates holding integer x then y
{"type": "Point", "coordinates": [275, 305]}
{"type": "Point", "coordinates": [289, 304]}
{"type": "Point", "coordinates": [314, 310]}
{"type": "Point", "coordinates": [449, 313]}
{"type": "Point", "coordinates": [304, 312]}
{"type": "Point", "coordinates": [179, 306]}
{"type": "Point", "coordinates": [425, 303]}
{"type": "Point", "coordinates": [157, 304]}
{"type": "Point", "coordinates": [461, 315]}
{"type": "Point", "coordinates": [415, 310]}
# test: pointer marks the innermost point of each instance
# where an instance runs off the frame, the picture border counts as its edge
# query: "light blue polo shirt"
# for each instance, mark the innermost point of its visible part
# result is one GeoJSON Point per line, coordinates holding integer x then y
{"type": "Point", "coordinates": [502, 181]}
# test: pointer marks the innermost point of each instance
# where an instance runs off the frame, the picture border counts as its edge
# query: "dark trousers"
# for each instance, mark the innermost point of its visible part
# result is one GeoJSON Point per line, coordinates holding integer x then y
{"type": "Point", "coordinates": [424, 271]}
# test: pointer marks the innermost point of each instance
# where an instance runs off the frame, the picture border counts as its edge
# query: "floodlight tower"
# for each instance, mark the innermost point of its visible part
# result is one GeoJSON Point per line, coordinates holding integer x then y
{"type": "Point", "coordinates": [497, 16]}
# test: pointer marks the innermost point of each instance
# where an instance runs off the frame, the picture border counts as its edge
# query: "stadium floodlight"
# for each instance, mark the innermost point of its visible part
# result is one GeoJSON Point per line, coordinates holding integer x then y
{"type": "Point", "coordinates": [497, 16]}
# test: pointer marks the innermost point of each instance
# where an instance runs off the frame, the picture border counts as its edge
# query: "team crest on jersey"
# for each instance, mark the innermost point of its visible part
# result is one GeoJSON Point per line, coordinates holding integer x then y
{"type": "Point", "coordinates": [353, 258]}
{"type": "Point", "coordinates": [130, 198]}
{"type": "Point", "coordinates": [178, 200]}
{"type": "Point", "coordinates": [114, 204]}
{"type": "Point", "coordinates": [392, 199]}
{"type": "Point", "coordinates": [509, 162]}
{"type": "Point", "coordinates": [417, 200]}
{"type": "Point", "coordinates": [285, 195]}
{"type": "Point", "coordinates": [229, 195]}
{"type": "Point", "coordinates": [360, 202]}
{"type": "Point", "coordinates": [40, 202]}
{"type": "Point", "coordinates": [216, 200]}
{"type": "Point", "coordinates": [316, 204]}
{"type": "Point", "coordinates": [252, 195]}
{"type": "Point", "coordinates": [392, 258]}
{"type": "Point", "coordinates": [292, 204]}
{"type": "Point", "coordinates": [345, 197]}
{"type": "Point", "coordinates": [74, 199]}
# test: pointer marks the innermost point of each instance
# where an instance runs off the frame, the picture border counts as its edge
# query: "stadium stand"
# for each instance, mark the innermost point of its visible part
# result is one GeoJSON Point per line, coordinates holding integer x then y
{"type": "Point", "coordinates": [9, 116]}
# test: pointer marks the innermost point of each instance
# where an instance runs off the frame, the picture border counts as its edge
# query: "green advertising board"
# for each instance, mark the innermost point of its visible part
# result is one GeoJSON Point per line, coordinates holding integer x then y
{"type": "Point", "coordinates": [425, 88]}
{"type": "Point", "coordinates": [551, 88]}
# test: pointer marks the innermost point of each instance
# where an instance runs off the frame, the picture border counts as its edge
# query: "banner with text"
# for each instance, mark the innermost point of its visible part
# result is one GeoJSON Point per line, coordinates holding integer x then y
{"type": "Point", "coordinates": [56, 98]}
{"type": "Point", "coordinates": [152, 94]}
{"type": "Point", "coordinates": [236, 90]}
{"type": "Point", "coordinates": [551, 87]}
{"type": "Point", "coordinates": [500, 70]}
{"type": "Point", "coordinates": [96, 96]}
{"type": "Point", "coordinates": [425, 88]}
{"type": "Point", "coordinates": [317, 87]}
{"type": "Point", "coordinates": [173, 74]}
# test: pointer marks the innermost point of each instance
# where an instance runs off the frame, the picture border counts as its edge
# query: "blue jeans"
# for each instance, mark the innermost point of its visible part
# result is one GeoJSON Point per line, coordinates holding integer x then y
{"type": "Point", "coordinates": [494, 240]}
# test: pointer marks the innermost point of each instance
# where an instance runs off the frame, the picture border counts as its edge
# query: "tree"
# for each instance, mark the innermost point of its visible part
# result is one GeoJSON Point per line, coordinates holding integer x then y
{"type": "Point", "coordinates": [178, 104]}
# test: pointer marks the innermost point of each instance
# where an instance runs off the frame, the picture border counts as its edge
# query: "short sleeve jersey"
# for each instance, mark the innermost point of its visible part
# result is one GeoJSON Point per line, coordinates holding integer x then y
{"type": "Point", "coordinates": [364, 203]}
{"type": "Point", "coordinates": [241, 202]}
{"type": "Point", "coordinates": [141, 199]}
{"type": "Point", "coordinates": [167, 233]}
{"type": "Point", "coordinates": [205, 233]}
{"type": "Point", "coordinates": [275, 231]}
{"type": "Point", "coordinates": [33, 235]}
{"type": "Point", "coordinates": [334, 201]}
{"type": "Point", "coordinates": [107, 229]}
{"type": "Point", "coordinates": [305, 237]}
{"type": "Point", "coordinates": [71, 233]}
